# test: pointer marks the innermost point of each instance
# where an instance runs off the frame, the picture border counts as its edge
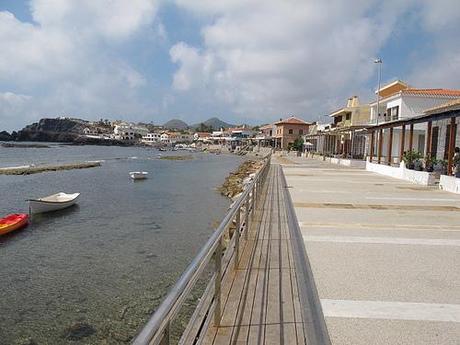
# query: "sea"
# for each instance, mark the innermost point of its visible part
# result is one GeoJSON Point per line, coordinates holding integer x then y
{"type": "Point", "coordinates": [94, 273]}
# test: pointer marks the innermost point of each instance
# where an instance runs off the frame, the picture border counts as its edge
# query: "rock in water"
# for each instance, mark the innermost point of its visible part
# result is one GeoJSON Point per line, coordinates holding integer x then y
{"type": "Point", "coordinates": [78, 331]}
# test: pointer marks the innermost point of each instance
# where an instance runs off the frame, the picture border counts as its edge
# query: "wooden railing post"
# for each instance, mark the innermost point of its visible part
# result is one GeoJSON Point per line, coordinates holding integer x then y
{"type": "Point", "coordinates": [246, 219]}
{"type": "Point", "coordinates": [237, 238]}
{"type": "Point", "coordinates": [390, 146]}
{"type": "Point", "coordinates": [428, 138]}
{"type": "Point", "coordinates": [379, 153]}
{"type": "Point", "coordinates": [450, 154]}
{"type": "Point", "coordinates": [371, 155]}
{"type": "Point", "coordinates": [253, 200]}
{"type": "Point", "coordinates": [403, 143]}
{"type": "Point", "coordinates": [411, 136]}
{"type": "Point", "coordinates": [166, 340]}
{"type": "Point", "coordinates": [217, 283]}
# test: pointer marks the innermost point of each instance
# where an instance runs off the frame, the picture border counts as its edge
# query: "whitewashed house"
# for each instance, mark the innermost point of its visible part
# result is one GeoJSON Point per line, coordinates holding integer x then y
{"type": "Point", "coordinates": [128, 131]}
{"type": "Point", "coordinates": [151, 138]}
{"type": "Point", "coordinates": [400, 101]}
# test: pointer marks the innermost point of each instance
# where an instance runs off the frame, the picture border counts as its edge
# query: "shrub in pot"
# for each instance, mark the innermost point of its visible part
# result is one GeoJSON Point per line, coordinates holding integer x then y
{"type": "Point", "coordinates": [410, 157]}
{"type": "Point", "coordinates": [440, 166]}
{"type": "Point", "coordinates": [418, 165]}
{"type": "Point", "coordinates": [429, 163]}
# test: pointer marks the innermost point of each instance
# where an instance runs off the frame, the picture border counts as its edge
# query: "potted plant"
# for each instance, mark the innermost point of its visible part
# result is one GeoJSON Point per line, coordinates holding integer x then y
{"type": "Point", "coordinates": [429, 163]}
{"type": "Point", "coordinates": [418, 164]}
{"type": "Point", "coordinates": [410, 158]}
{"type": "Point", "coordinates": [440, 166]}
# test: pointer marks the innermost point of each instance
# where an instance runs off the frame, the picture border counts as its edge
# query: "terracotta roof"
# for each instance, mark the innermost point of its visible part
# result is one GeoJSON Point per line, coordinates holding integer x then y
{"type": "Point", "coordinates": [266, 127]}
{"type": "Point", "coordinates": [449, 106]}
{"type": "Point", "coordinates": [292, 121]}
{"type": "Point", "coordinates": [203, 134]}
{"type": "Point", "coordinates": [242, 128]}
{"type": "Point", "coordinates": [431, 92]}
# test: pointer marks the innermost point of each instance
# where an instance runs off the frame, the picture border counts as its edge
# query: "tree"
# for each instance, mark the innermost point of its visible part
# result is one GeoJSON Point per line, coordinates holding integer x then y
{"type": "Point", "coordinates": [298, 144]}
{"type": "Point", "coordinates": [204, 128]}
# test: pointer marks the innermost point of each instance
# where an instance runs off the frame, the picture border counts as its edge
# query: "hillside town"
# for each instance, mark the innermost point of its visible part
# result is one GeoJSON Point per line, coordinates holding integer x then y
{"type": "Point", "coordinates": [405, 132]}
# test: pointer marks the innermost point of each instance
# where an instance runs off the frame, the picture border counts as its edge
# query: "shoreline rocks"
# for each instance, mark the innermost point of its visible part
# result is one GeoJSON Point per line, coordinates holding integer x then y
{"type": "Point", "coordinates": [235, 182]}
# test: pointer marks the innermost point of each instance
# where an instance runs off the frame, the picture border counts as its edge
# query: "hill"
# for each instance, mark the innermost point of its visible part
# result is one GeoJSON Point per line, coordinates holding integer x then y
{"type": "Point", "coordinates": [213, 122]}
{"type": "Point", "coordinates": [59, 130]}
{"type": "Point", "coordinates": [175, 124]}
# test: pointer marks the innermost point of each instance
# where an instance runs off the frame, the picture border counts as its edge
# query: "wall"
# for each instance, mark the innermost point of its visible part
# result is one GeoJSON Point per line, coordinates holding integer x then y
{"type": "Point", "coordinates": [361, 115]}
{"type": "Point", "coordinates": [413, 105]}
{"type": "Point", "coordinates": [450, 184]}
{"type": "Point", "coordinates": [290, 138]}
{"type": "Point", "coordinates": [417, 177]}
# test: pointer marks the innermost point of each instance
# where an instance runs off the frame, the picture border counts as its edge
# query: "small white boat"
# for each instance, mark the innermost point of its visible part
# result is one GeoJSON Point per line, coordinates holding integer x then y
{"type": "Point", "coordinates": [138, 175]}
{"type": "Point", "coordinates": [53, 202]}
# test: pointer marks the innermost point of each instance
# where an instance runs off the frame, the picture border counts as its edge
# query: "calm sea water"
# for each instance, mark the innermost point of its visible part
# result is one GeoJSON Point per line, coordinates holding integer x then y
{"type": "Point", "coordinates": [108, 261]}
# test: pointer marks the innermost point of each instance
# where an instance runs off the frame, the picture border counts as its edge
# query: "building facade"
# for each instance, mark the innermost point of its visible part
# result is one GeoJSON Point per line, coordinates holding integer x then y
{"type": "Point", "coordinates": [288, 130]}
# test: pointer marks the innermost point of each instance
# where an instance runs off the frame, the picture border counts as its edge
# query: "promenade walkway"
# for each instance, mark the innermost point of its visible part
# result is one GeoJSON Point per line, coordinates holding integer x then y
{"type": "Point", "coordinates": [385, 254]}
{"type": "Point", "coordinates": [262, 301]}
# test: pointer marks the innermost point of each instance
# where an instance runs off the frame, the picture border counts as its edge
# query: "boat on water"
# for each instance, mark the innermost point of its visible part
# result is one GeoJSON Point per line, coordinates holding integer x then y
{"type": "Point", "coordinates": [138, 175]}
{"type": "Point", "coordinates": [13, 222]}
{"type": "Point", "coordinates": [53, 202]}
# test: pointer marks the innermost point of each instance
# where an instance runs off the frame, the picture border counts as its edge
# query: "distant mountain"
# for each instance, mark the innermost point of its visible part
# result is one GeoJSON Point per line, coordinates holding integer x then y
{"type": "Point", "coordinates": [215, 123]}
{"type": "Point", "coordinates": [175, 124]}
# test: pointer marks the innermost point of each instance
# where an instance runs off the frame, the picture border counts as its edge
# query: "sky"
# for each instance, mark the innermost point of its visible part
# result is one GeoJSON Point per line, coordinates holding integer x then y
{"type": "Point", "coordinates": [244, 61]}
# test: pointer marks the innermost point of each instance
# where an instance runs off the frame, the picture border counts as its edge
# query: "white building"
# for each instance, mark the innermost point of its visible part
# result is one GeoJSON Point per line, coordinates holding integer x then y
{"type": "Point", "coordinates": [127, 131]}
{"type": "Point", "coordinates": [399, 101]}
{"type": "Point", "coordinates": [151, 138]}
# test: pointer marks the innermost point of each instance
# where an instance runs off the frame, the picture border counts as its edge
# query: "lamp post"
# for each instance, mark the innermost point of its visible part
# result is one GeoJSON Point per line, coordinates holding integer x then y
{"type": "Point", "coordinates": [379, 62]}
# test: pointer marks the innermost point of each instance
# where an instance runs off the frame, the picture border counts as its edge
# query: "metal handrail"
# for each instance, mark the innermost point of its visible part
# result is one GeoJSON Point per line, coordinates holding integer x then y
{"type": "Point", "coordinates": [158, 326]}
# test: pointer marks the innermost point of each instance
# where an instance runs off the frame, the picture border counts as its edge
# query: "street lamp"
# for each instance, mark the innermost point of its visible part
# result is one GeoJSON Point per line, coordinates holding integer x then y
{"type": "Point", "coordinates": [379, 62]}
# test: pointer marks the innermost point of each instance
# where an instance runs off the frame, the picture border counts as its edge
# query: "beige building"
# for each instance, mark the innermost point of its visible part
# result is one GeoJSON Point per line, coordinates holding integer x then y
{"type": "Point", "coordinates": [345, 128]}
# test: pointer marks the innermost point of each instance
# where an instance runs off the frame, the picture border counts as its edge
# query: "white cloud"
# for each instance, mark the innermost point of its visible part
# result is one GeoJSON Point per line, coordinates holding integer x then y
{"type": "Point", "coordinates": [68, 55]}
{"type": "Point", "coordinates": [278, 57]}
{"type": "Point", "coordinates": [107, 18]}
{"type": "Point", "coordinates": [272, 58]}
{"type": "Point", "coordinates": [440, 66]}
{"type": "Point", "coordinates": [12, 107]}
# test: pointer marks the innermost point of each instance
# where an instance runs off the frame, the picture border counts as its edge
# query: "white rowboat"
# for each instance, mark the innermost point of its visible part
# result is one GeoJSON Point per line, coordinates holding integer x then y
{"type": "Point", "coordinates": [53, 202]}
{"type": "Point", "coordinates": [138, 175]}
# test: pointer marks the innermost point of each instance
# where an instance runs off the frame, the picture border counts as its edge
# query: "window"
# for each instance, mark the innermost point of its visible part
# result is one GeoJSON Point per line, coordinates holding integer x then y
{"type": "Point", "coordinates": [300, 131]}
{"type": "Point", "coordinates": [291, 131]}
{"type": "Point", "coordinates": [394, 112]}
{"type": "Point", "coordinates": [270, 132]}
{"type": "Point", "coordinates": [348, 117]}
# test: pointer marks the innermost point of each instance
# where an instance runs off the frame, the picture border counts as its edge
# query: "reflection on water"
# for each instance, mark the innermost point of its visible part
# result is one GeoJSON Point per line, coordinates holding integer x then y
{"type": "Point", "coordinates": [92, 274]}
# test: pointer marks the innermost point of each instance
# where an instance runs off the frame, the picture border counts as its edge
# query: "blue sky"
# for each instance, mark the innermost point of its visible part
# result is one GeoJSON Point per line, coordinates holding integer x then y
{"type": "Point", "coordinates": [249, 61]}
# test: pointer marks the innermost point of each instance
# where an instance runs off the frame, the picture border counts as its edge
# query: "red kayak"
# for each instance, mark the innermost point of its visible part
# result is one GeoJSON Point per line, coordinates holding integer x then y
{"type": "Point", "coordinates": [13, 222]}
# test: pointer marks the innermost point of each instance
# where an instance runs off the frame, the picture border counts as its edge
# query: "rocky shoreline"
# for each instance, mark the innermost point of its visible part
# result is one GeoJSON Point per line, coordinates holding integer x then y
{"type": "Point", "coordinates": [234, 183]}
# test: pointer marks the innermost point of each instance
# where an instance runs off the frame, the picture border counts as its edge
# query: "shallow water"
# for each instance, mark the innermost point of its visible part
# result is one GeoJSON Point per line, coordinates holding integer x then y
{"type": "Point", "coordinates": [108, 261]}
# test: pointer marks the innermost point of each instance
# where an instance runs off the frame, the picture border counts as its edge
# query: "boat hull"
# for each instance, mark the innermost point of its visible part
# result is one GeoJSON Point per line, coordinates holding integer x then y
{"type": "Point", "coordinates": [42, 206]}
{"type": "Point", "coordinates": [138, 175]}
{"type": "Point", "coordinates": [13, 222]}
